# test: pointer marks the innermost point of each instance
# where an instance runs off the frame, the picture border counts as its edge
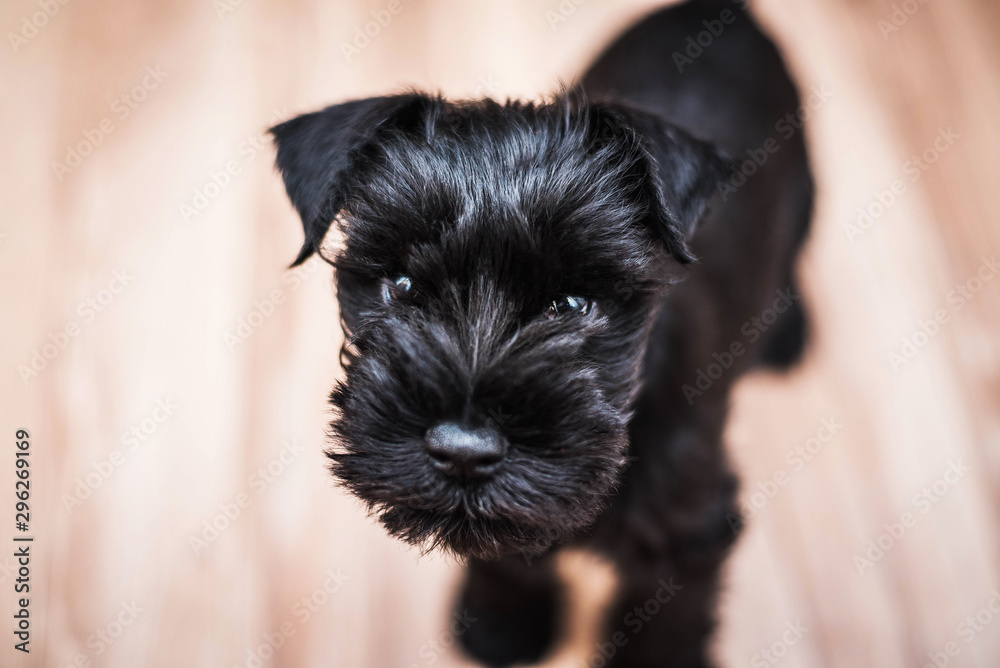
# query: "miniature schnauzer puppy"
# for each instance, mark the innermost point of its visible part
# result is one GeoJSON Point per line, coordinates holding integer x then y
{"type": "Point", "coordinates": [545, 309]}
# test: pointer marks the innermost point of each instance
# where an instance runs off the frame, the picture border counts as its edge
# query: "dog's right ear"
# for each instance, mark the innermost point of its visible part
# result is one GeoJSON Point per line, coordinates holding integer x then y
{"type": "Point", "coordinates": [317, 153]}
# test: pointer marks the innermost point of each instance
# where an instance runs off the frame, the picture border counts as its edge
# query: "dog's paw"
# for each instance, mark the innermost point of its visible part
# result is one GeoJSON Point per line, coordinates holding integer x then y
{"type": "Point", "coordinates": [516, 621]}
{"type": "Point", "coordinates": [517, 636]}
{"type": "Point", "coordinates": [787, 340]}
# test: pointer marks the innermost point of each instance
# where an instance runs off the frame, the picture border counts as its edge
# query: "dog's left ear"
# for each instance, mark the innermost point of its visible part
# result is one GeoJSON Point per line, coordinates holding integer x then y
{"type": "Point", "coordinates": [680, 175]}
{"type": "Point", "coordinates": [317, 153]}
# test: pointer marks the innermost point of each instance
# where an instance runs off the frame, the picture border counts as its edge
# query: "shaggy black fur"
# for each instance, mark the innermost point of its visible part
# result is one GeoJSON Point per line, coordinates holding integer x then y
{"type": "Point", "coordinates": [519, 273]}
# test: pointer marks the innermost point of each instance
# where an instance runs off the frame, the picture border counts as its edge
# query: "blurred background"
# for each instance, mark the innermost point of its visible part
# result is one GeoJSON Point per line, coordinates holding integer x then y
{"type": "Point", "coordinates": [173, 374]}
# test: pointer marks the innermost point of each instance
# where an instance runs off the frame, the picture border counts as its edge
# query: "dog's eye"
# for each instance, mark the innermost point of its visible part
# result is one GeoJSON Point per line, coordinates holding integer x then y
{"type": "Point", "coordinates": [391, 289]}
{"type": "Point", "coordinates": [569, 304]}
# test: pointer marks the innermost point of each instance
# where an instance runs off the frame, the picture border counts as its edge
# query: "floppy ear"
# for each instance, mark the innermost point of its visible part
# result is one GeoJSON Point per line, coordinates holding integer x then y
{"type": "Point", "coordinates": [679, 176]}
{"type": "Point", "coordinates": [316, 153]}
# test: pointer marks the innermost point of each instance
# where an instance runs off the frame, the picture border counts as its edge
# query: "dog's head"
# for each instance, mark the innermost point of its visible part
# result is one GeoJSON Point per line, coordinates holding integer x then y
{"type": "Point", "coordinates": [497, 280]}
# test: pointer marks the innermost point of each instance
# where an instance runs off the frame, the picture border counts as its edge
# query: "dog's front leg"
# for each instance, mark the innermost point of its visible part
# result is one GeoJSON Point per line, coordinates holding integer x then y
{"type": "Point", "coordinates": [668, 535]}
{"type": "Point", "coordinates": [515, 604]}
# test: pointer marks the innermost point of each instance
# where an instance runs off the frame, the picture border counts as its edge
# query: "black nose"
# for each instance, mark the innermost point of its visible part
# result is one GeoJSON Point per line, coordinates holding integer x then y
{"type": "Point", "coordinates": [463, 452]}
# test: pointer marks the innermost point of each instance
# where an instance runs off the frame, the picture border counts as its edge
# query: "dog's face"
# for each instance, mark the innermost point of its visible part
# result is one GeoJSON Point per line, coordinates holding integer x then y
{"type": "Point", "coordinates": [497, 280]}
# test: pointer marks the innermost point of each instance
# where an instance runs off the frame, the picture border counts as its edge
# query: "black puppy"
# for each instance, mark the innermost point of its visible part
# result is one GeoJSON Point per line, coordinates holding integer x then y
{"type": "Point", "coordinates": [534, 355]}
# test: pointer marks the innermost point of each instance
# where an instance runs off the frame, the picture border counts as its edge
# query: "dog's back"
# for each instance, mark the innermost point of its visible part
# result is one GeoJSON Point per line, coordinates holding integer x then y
{"type": "Point", "coordinates": [707, 67]}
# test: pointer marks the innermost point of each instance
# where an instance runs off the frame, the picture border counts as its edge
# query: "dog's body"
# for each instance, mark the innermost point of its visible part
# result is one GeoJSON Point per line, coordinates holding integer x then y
{"type": "Point", "coordinates": [522, 374]}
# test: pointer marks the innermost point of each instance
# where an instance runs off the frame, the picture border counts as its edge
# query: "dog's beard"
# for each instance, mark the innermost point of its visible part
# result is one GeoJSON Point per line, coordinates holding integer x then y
{"type": "Point", "coordinates": [568, 444]}
{"type": "Point", "coordinates": [527, 507]}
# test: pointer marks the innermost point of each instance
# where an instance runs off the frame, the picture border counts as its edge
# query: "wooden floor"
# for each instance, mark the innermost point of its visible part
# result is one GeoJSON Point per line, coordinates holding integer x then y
{"type": "Point", "coordinates": [173, 375]}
